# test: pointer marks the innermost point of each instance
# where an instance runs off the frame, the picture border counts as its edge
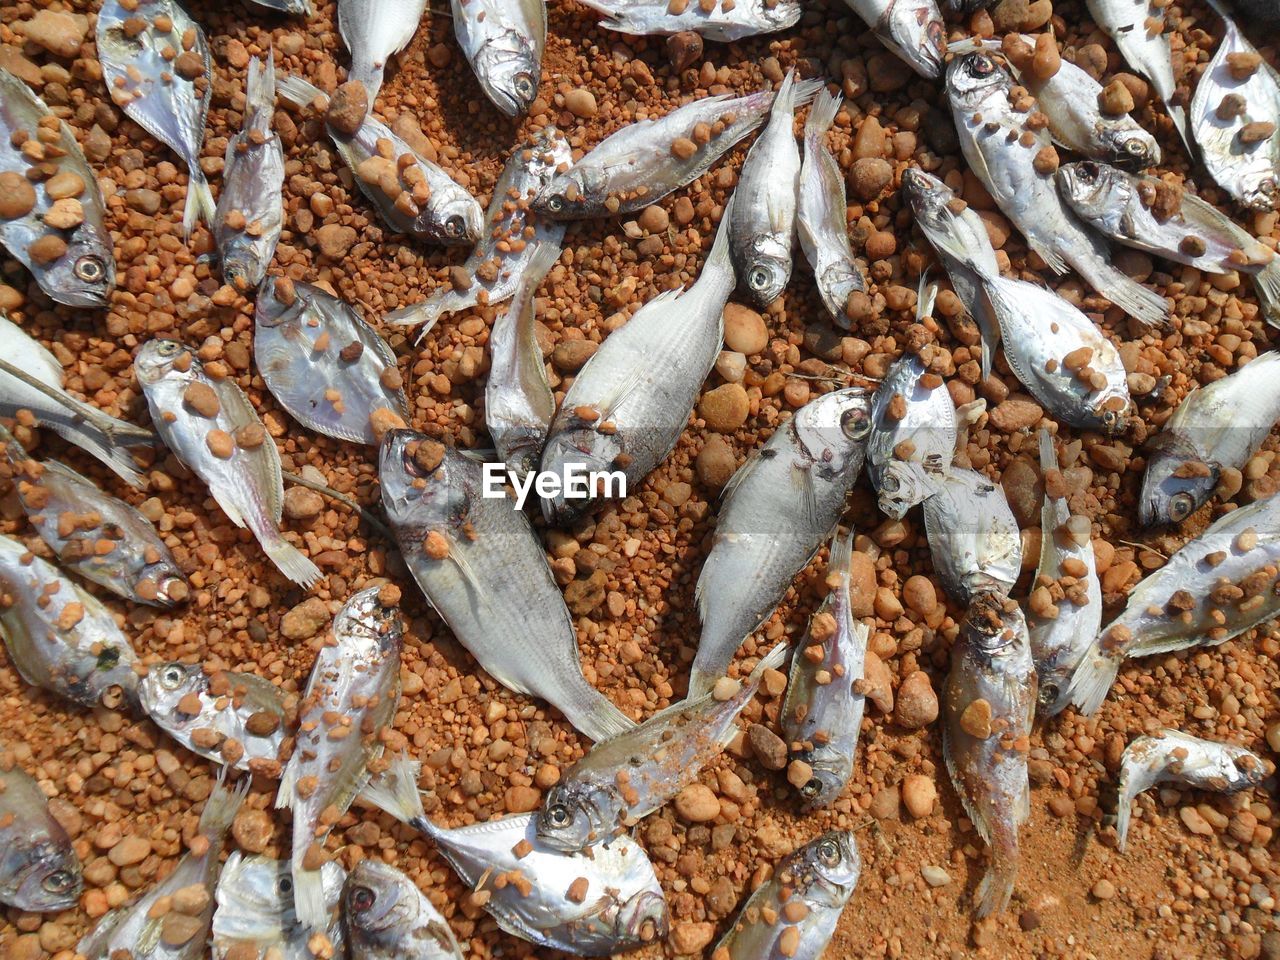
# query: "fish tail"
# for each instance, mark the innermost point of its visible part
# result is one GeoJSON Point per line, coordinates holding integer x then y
{"type": "Point", "coordinates": [718, 263]}
{"type": "Point", "coordinates": [221, 809]}
{"type": "Point", "coordinates": [426, 313]}
{"type": "Point", "coordinates": [700, 682]}
{"type": "Point", "coordinates": [1124, 811]}
{"type": "Point", "coordinates": [601, 719]}
{"type": "Point", "coordinates": [1092, 679]}
{"type": "Point", "coordinates": [103, 447]}
{"type": "Point", "coordinates": [544, 257]}
{"type": "Point", "coordinates": [298, 91]}
{"type": "Point", "coordinates": [1180, 123]}
{"type": "Point", "coordinates": [290, 561]}
{"type": "Point", "coordinates": [1145, 306]}
{"type": "Point", "coordinates": [996, 887]}
{"type": "Point", "coordinates": [1267, 284]}
{"type": "Point", "coordinates": [802, 93]}
{"type": "Point", "coordinates": [200, 205]}
{"type": "Point", "coordinates": [770, 661]}
{"type": "Point", "coordinates": [260, 92]}
{"type": "Point", "coordinates": [308, 896]}
{"type": "Point", "coordinates": [1048, 458]}
{"type": "Point", "coordinates": [395, 791]}
{"type": "Point", "coordinates": [822, 115]}
{"type": "Point", "coordinates": [841, 553]}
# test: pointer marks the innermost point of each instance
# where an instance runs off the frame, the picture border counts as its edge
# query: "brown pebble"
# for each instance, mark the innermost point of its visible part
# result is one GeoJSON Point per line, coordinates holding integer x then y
{"type": "Point", "coordinates": [767, 746]}
{"type": "Point", "coordinates": [347, 108]}
{"type": "Point", "coordinates": [47, 249]}
{"type": "Point", "coordinates": [220, 444]}
{"type": "Point", "coordinates": [581, 103]}
{"type": "Point", "coordinates": [697, 804]}
{"type": "Point", "coordinates": [725, 408]}
{"type": "Point", "coordinates": [202, 398]}
{"type": "Point", "coordinates": [684, 49]}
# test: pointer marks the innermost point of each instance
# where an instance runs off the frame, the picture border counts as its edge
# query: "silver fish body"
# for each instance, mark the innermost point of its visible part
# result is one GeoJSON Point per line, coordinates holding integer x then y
{"type": "Point", "coordinates": [482, 567]}
{"type": "Point", "coordinates": [374, 31]}
{"type": "Point", "coordinates": [162, 78]}
{"type": "Point", "coordinates": [973, 536]}
{"type": "Point", "coordinates": [39, 870]}
{"type": "Point", "coordinates": [911, 29]}
{"type": "Point", "coordinates": [503, 40]}
{"type": "Point", "coordinates": [913, 436]}
{"type": "Point", "coordinates": [736, 22]}
{"type": "Point", "coordinates": [250, 210]}
{"type": "Point", "coordinates": [300, 8]}
{"type": "Point", "coordinates": [390, 919]}
{"type": "Point", "coordinates": [255, 918]}
{"type": "Point", "coordinates": [84, 274]}
{"type": "Point", "coordinates": [778, 508]}
{"type": "Point", "coordinates": [212, 428]}
{"type": "Point", "coordinates": [328, 368]}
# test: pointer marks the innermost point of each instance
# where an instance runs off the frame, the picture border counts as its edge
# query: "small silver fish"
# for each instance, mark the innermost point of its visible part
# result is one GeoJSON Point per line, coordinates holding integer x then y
{"type": "Point", "coordinates": [62, 238]}
{"type": "Point", "coordinates": [503, 41]}
{"type": "Point", "coordinates": [328, 368]}
{"type": "Point", "coordinates": [60, 637]}
{"type": "Point", "coordinates": [762, 222]}
{"type": "Point", "coordinates": [39, 870]}
{"type": "Point", "coordinates": [255, 919]}
{"type": "Point", "coordinates": [596, 903]}
{"type": "Point", "coordinates": [412, 194]}
{"type": "Point", "coordinates": [912, 29]}
{"type": "Point", "coordinates": [1066, 599]}
{"type": "Point", "coordinates": [973, 536]}
{"type": "Point", "coordinates": [1216, 587]}
{"type": "Point", "coordinates": [726, 24]}
{"type": "Point", "coordinates": [794, 913]}
{"type": "Point", "coordinates": [821, 717]}
{"type": "Point", "coordinates": [351, 697]}
{"type": "Point", "coordinates": [390, 919]}
{"type": "Point", "coordinates": [374, 31]}
{"type": "Point", "coordinates": [237, 719]}
{"type": "Point", "coordinates": [821, 216]}
{"type": "Point", "coordinates": [1175, 757]}
{"type": "Point", "coordinates": [213, 429]}
{"type": "Point", "coordinates": [155, 61]}
{"type": "Point", "coordinates": [989, 701]}
{"type": "Point", "coordinates": [300, 8]}
{"type": "Point", "coordinates": [778, 508]}
{"type": "Point", "coordinates": [251, 206]}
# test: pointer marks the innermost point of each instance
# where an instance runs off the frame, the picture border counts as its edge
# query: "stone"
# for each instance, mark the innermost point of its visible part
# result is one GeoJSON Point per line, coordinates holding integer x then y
{"type": "Point", "coordinates": [768, 747]}
{"type": "Point", "coordinates": [570, 356]}
{"type": "Point", "coordinates": [335, 240]}
{"type": "Point", "coordinates": [920, 595]}
{"type": "Point", "coordinates": [1024, 491]}
{"type": "Point", "coordinates": [715, 463]}
{"type": "Point", "coordinates": [1015, 413]}
{"type": "Point", "coordinates": [17, 195]}
{"type": "Point", "coordinates": [581, 103]}
{"type": "Point", "coordinates": [691, 938]}
{"type": "Point", "coordinates": [654, 219]}
{"type": "Point", "coordinates": [885, 803]}
{"type": "Point", "coordinates": [919, 795]}
{"type": "Point", "coordinates": [302, 503]}
{"type": "Point", "coordinates": [59, 33]}
{"type": "Point", "coordinates": [935, 876]}
{"type": "Point", "coordinates": [521, 799]}
{"type": "Point", "coordinates": [129, 850]}
{"type": "Point", "coordinates": [917, 704]}
{"type": "Point", "coordinates": [744, 330]}
{"type": "Point", "coordinates": [305, 620]}
{"type": "Point", "coordinates": [725, 408]}
{"type": "Point", "coordinates": [347, 108]}
{"type": "Point", "coordinates": [684, 49]}
{"type": "Point", "coordinates": [878, 683]}
{"type": "Point", "coordinates": [697, 804]}
{"type": "Point", "coordinates": [862, 585]}
{"type": "Point", "coordinates": [869, 177]}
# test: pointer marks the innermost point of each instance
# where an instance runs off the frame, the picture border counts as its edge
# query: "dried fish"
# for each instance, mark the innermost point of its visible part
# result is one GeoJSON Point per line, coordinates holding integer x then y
{"type": "Point", "coordinates": [912, 29]}
{"type": "Point", "coordinates": [390, 919]}
{"type": "Point", "coordinates": [374, 31]}
{"type": "Point", "coordinates": [736, 21]}
{"type": "Point", "coordinates": [503, 40]}
{"type": "Point", "coordinates": [39, 870]}
{"type": "Point", "coordinates": [255, 919]}
{"type": "Point", "coordinates": [973, 536]}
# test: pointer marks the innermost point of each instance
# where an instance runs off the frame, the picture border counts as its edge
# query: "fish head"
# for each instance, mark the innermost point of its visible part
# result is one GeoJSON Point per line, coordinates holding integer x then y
{"type": "Point", "coordinates": [973, 78]}
{"type": "Point", "coordinates": [165, 685]}
{"type": "Point", "coordinates": [420, 486]}
{"type": "Point", "coordinates": [374, 615]}
{"type": "Point", "coordinates": [461, 219]}
{"type": "Point", "coordinates": [832, 431]}
{"type": "Point", "coordinates": [1263, 196]}
{"type": "Point", "coordinates": [162, 584]}
{"type": "Point", "coordinates": [767, 270]}
{"type": "Point", "coordinates": [994, 623]}
{"type": "Point", "coordinates": [903, 484]}
{"type": "Point", "coordinates": [570, 820]}
{"type": "Point", "coordinates": [377, 902]}
{"type": "Point", "coordinates": [509, 73]}
{"type": "Point", "coordinates": [269, 310]}
{"type": "Point", "coordinates": [829, 865]}
{"type": "Point", "coordinates": [1172, 488]}
{"type": "Point", "coordinates": [837, 282]}
{"type": "Point", "coordinates": [929, 198]}
{"type": "Point", "coordinates": [827, 782]}
{"type": "Point", "coordinates": [1054, 691]}
{"type": "Point", "coordinates": [85, 275]}
{"type": "Point", "coordinates": [915, 29]}
{"type": "Point", "coordinates": [1132, 147]}
{"type": "Point", "coordinates": [48, 878]}
{"type": "Point", "coordinates": [570, 194]}
{"type": "Point", "coordinates": [644, 918]}
{"type": "Point", "coordinates": [1093, 189]}
{"type": "Point", "coordinates": [165, 359]}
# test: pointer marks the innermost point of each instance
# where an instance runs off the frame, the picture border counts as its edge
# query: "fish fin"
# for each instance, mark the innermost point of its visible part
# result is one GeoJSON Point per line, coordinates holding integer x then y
{"type": "Point", "coordinates": [308, 898]}
{"type": "Point", "coordinates": [822, 115]}
{"type": "Point", "coordinates": [1144, 305]}
{"type": "Point", "coordinates": [1050, 256]}
{"type": "Point", "coordinates": [632, 380]}
{"type": "Point", "coordinates": [200, 205]}
{"type": "Point", "coordinates": [773, 660]}
{"type": "Point", "coordinates": [995, 889]}
{"type": "Point", "coordinates": [427, 313]}
{"type": "Point", "coordinates": [802, 485]}
{"type": "Point", "coordinates": [221, 808]}
{"type": "Point", "coordinates": [1183, 125]}
{"type": "Point", "coordinates": [1124, 811]}
{"type": "Point", "coordinates": [604, 721]}
{"type": "Point", "coordinates": [802, 93]}
{"type": "Point", "coordinates": [240, 413]}
{"type": "Point", "coordinates": [289, 560]}
{"type": "Point", "coordinates": [260, 91]}
{"type": "Point", "coordinates": [395, 791]}
{"type": "Point", "coordinates": [1267, 284]}
{"type": "Point", "coordinates": [1092, 679]}
{"type": "Point", "coordinates": [285, 788]}
{"type": "Point", "coordinates": [298, 91]}
{"type": "Point", "coordinates": [117, 458]}
{"type": "Point", "coordinates": [841, 553]}
{"type": "Point", "coordinates": [1048, 458]}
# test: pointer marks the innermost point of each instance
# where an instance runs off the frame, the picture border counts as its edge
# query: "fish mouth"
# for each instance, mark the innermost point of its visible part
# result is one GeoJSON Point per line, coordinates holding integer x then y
{"type": "Point", "coordinates": [172, 590]}
{"type": "Point", "coordinates": [72, 298]}
{"type": "Point", "coordinates": [645, 917]}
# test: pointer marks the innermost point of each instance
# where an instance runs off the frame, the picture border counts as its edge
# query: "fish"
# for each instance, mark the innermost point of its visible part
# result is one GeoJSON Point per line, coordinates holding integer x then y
{"type": "Point", "coordinates": [503, 41]}
{"type": "Point", "coordinates": [482, 568]}
{"type": "Point", "coordinates": [778, 508]}
{"type": "Point", "coordinates": [250, 212]}
{"type": "Point", "coordinates": [821, 715]}
{"type": "Point", "coordinates": [518, 402]}
{"type": "Point", "coordinates": [762, 224]}
{"type": "Point", "coordinates": [912, 30]}
{"type": "Point", "coordinates": [413, 194]}
{"type": "Point", "coordinates": [300, 8]}
{"type": "Point", "coordinates": [596, 903]}
{"type": "Point", "coordinates": [39, 869]}
{"type": "Point", "coordinates": [236, 719]}
{"type": "Point", "coordinates": [350, 700]}
{"type": "Point", "coordinates": [1023, 186]}
{"type": "Point", "coordinates": [155, 61]}
{"type": "Point", "coordinates": [1214, 588]}
{"type": "Point", "coordinates": [324, 365]}
{"type": "Point", "coordinates": [973, 536]}
{"type": "Point", "coordinates": [254, 918]}
{"type": "Point", "coordinates": [989, 700]}
{"type": "Point", "coordinates": [25, 360]}
{"type": "Point", "coordinates": [627, 407]}
{"type": "Point", "coordinates": [374, 31]}
{"type": "Point", "coordinates": [1066, 598]}
{"type": "Point", "coordinates": [390, 919]}
{"type": "Point", "coordinates": [1217, 427]}
{"type": "Point", "coordinates": [211, 427]}
{"type": "Point", "coordinates": [1172, 756]}
{"type": "Point", "coordinates": [821, 215]}
{"type": "Point", "coordinates": [171, 920]}
{"type": "Point", "coordinates": [724, 24]}
{"type": "Point", "coordinates": [61, 235]}
{"type": "Point", "coordinates": [913, 436]}
{"type": "Point", "coordinates": [621, 781]}
{"type": "Point", "coordinates": [1235, 118]}
{"type": "Point", "coordinates": [511, 233]}
{"type": "Point", "coordinates": [60, 637]}
{"type": "Point", "coordinates": [794, 913]}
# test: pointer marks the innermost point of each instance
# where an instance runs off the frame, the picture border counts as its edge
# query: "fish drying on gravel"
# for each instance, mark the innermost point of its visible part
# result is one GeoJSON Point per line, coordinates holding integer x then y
{"type": "Point", "coordinates": [973, 536]}
{"type": "Point", "coordinates": [1215, 430]}
{"type": "Point", "coordinates": [39, 869]}
{"type": "Point", "coordinates": [413, 194]}
{"type": "Point", "coordinates": [629, 404]}
{"type": "Point", "coordinates": [155, 61]}
{"type": "Point", "coordinates": [482, 568]}
{"type": "Point", "coordinates": [324, 365]}
{"type": "Point", "coordinates": [911, 29]}
{"type": "Point", "coordinates": [389, 918]}
{"type": "Point", "coordinates": [621, 781]}
{"type": "Point", "coordinates": [300, 8]}
{"type": "Point", "coordinates": [60, 637]}
{"type": "Point", "coordinates": [1015, 162]}
{"type": "Point", "coordinates": [237, 719]}
{"type": "Point", "coordinates": [794, 913]}
{"type": "Point", "coordinates": [251, 205]}
{"type": "Point", "coordinates": [1175, 757]}
{"type": "Point", "coordinates": [171, 920]}
{"type": "Point", "coordinates": [212, 428]}
{"type": "Point", "coordinates": [762, 216]}
{"type": "Point", "coordinates": [348, 706]}
{"type": "Point", "coordinates": [596, 903]}
{"type": "Point", "coordinates": [778, 508]}
{"type": "Point", "coordinates": [821, 214]}
{"type": "Point", "coordinates": [503, 41]}
{"type": "Point", "coordinates": [821, 717]}
{"type": "Point", "coordinates": [374, 31]}
{"type": "Point", "coordinates": [725, 23]}
{"type": "Point", "coordinates": [1235, 116]}
{"type": "Point", "coordinates": [1065, 607]}
{"type": "Point", "coordinates": [75, 421]}
{"type": "Point", "coordinates": [989, 701]}
{"type": "Point", "coordinates": [1216, 587]}
{"type": "Point", "coordinates": [511, 234]}
{"type": "Point", "coordinates": [51, 211]}
{"type": "Point", "coordinates": [518, 402]}
{"type": "Point", "coordinates": [255, 919]}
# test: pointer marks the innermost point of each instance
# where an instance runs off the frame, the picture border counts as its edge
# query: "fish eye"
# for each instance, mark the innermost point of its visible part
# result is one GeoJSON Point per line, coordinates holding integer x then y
{"type": "Point", "coordinates": [811, 788]}
{"type": "Point", "coordinates": [171, 676]}
{"type": "Point", "coordinates": [60, 881]}
{"type": "Point", "coordinates": [555, 203]}
{"type": "Point", "coordinates": [1049, 692]}
{"type": "Point", "coordinates": [168, 348]}
{"type": "Point", "coordinates": [455, 226]}
{"type": "Point", "coordinates": [758, 279]}
{"type": "Point", "coordinates": [558, 814]}
{"type": "Point", "coordinates": [90, 269]}
{"type": "Point", "coordinates": [362, 898]}
{"type": "Point", "coordinates": [285, 885]}
{"type": "Point", "coordinates": [934, 33]}
{"type": "Point", "coordinates": [980, 66]}
{"type": "Point", "coordinates": [1109, 420]}
{"type": "Point", "coordinates": [1087, 171]}
{"type": "Point", "coordinates": [890, 484]}
{"type": "Point", "coordinates": [1135, 148]}
{"type": "Point", "coordinates": [524, 86]}
{"type": "Point", "coordinates": [855, 424]}
{"type": "Point", "coordinates": [829, 852]}
{"type": "Point", "coordinates": [1180, 506]}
